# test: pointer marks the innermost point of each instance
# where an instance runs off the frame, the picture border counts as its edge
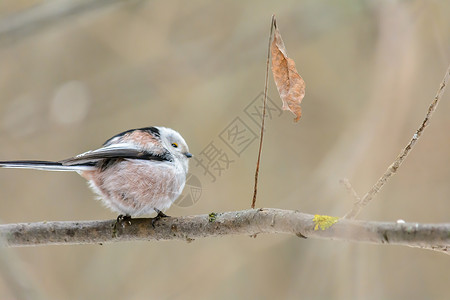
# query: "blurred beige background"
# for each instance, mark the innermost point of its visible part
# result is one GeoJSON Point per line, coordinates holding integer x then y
{"type": "Point", "coordinates": [72, 74]}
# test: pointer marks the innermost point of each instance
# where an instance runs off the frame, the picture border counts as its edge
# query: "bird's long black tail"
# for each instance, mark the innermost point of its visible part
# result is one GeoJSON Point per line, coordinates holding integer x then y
{"type": "Point", "coordinates": [43, 165]}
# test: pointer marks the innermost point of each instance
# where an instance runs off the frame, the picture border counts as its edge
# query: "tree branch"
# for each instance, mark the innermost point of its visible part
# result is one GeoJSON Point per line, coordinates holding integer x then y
{"type": "Point", "coordinates": [247, 222]}
{"type": "Point", "coordinates": [26, 22]}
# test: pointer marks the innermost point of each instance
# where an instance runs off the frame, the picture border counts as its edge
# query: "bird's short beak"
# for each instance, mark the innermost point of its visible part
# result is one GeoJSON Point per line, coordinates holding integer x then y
{"type": "Point", "coordinates": [188, 155]}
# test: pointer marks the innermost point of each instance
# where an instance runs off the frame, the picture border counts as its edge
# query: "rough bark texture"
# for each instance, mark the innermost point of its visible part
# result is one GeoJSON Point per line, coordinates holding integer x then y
{"type": "Point", "coordinates": [247, 222]}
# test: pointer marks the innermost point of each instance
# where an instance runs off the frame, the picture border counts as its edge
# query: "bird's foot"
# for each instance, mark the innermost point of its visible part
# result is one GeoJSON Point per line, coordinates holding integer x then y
{"type": "Point", "coordinates": [121, 220]}
{"type": "Point", "coordinates": [124, 218]}
{"type": "Point", "coordinates": [159, 216]}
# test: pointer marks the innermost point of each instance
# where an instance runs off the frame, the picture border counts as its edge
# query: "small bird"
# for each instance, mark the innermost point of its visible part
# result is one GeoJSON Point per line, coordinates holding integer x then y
{"type": "Point", "coordinates": [136, 172]}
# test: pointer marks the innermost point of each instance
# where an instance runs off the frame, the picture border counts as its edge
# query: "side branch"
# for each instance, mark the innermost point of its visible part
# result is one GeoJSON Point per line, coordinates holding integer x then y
{"type": "Point", "coordinates": [247, 222]}
{"type": "Point", "coordinates": [392, 169]}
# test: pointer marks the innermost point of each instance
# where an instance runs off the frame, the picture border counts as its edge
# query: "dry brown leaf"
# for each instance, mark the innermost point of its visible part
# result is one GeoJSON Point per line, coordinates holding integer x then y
{"type": "Point", "coordinates": [290, 84]}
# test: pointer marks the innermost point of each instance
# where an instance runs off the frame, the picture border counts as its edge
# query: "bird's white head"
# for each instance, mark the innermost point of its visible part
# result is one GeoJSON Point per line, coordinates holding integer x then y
{"type": "Point", "coordinates": [176, 145]}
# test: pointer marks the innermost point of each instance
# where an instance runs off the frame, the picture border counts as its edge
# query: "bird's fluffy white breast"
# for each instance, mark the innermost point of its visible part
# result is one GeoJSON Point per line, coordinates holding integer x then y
{"type": "Point", "coordinates": [136, 187]}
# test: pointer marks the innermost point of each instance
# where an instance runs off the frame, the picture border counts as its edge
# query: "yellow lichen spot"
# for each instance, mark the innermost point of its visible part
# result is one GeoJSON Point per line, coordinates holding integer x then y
{"type": "Point", "coordinates": [324, 222]}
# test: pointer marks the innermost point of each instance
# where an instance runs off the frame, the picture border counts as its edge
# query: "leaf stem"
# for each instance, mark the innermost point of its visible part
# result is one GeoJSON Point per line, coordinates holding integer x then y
{"type": "Point", "coordinates": [266, 84]}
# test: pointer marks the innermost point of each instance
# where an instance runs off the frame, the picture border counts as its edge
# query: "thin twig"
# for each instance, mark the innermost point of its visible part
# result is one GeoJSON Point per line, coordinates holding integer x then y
{"type": "Point", "coordinates": [266, 87]}
{"type": "Point", "coordinates": [348, 186]}
{"type": "Point", "coordinates": [392, 169]}
{"type": "Point", "coordinates": [247, 222]}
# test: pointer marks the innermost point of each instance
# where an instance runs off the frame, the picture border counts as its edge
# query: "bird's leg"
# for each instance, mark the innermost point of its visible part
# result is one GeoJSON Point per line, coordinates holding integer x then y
{"type": "Point", "coordinates": [158, 216]}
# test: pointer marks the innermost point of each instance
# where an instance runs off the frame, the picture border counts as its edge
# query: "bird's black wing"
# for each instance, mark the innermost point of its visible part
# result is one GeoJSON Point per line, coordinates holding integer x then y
{"type": "Point", "coordinates": [116, 151]}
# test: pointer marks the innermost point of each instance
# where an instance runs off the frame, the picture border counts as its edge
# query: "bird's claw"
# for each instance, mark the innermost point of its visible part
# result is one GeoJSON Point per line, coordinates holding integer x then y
{"type": "Point", "coordinates": [120, 219]}
{"type": "Point", "coordinates": [159, 216]}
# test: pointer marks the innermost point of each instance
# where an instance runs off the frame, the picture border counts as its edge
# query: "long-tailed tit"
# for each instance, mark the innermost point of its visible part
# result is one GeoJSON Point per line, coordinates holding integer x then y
{"type": "Point", "coordinates": [136, 172]}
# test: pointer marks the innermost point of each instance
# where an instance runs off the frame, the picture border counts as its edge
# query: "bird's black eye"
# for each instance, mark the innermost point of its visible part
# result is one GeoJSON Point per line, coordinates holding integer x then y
{"type": "Point", "coordinates": [175, 145]}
